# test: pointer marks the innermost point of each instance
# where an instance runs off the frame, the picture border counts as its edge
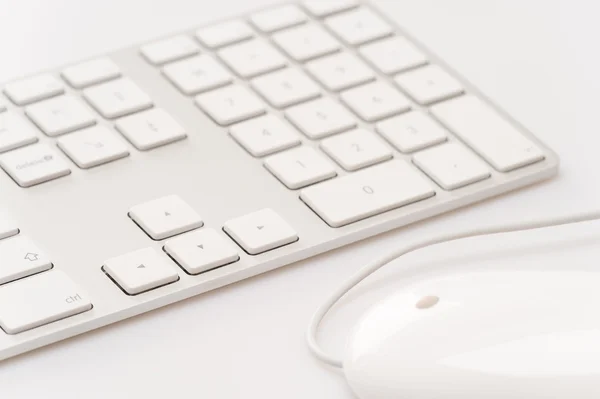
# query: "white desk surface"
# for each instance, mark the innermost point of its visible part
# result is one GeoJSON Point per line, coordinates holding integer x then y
{"type": "Point", "coordinates": [537, 59]}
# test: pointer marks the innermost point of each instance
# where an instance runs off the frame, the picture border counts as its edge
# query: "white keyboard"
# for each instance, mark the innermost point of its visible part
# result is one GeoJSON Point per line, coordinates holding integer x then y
{"type": "Point", "coordinates": [168, 169]}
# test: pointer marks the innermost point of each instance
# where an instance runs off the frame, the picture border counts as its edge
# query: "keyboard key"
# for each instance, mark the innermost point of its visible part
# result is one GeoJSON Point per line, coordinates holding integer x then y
{"type": "Point", "coordinates": [117, 98]}
{"type": "Point", "coordinates": [393, 55]}
{"type": "Point", "coordinates": [320, 118]}
{"type": "Point", "coordinates": [171, 49]}
{"type": "Point", "coordinates": [201, 250]}
{"type": "Point", "coordinates": [19, 258]}
{"type": "Point", "coordinates": [93, 146]}
{"type": "Point", "coordinates": [91, 72]}
{"type": "Point", "coordinates": [8, 227]}
{"type": "Point", "coordinates": [264, 135]}
{"type": "Point", "coordinates": [300, 167]}
{"type": "Point", "coordinates": [39, 300]}
{"type": "Point", "coordinates": [223, 34]}
{"type": "Point", "coordinates": [356, 149]}
{"type": "Point", "coordinates": [451, 166]}
{"type": "Point", "coordinates": [60, 115]}
{"type": "Point", "coordinates": [287, 87]}
{"type": "Point", "coordinates": [375, 101]}
{"type": "Point", "coordinates": [33, 165]}
{"type": "Point", "coordinates": [306, 42]}
{"type": "Point", "coordinates": [33, 89]}
{"type": "Point", "coordinates": [165, 217]}
{"type": "Point", "coordinates": [488, 133]}
{"type": "Point", "coordinates": [252, 58]}
{"type": "Point", "coordinates": [340, 71]}
{"type": "Point", "coordinates": [150, 129]}
{"type": "Point", "coordinates": [260, 231]}
{"type": "Point", "coordinates": [230, 105]}
{"type": "Point", "coordinates": [197, 74]}
{"type": "Point", "coordinates": [320, 8]}
{"type": "Point", "coordinates": [15, 131]}
{"type": "Point", "coordinates": [412, 131]}
{"type": "Point", "coordinates": [359, 26]}
{"type": "Point", "coordinates": [140, 271]}
{"type": "Point", "coordinates": [429, 84]}
{"type": "Point", "coordinates": [367, 193]}
{"type": "Point", "coordinates": [278, 18]}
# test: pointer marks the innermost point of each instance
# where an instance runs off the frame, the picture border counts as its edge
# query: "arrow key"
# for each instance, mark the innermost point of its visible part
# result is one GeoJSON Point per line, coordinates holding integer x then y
{"type": "Point", "coordinates": [201, 250]}
{"type": "Point", "coordinates": [165, 217]}
{"type": "Point", "coordinates": [260, 231]}
{"type": "Point", "coordinates": [140, 271]}
{"type": "Point", "coordinates": [20, 257]}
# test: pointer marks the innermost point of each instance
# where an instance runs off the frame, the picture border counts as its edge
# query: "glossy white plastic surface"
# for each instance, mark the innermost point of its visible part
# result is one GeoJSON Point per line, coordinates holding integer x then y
{"type": "Point", "coordinates": [494, 335]}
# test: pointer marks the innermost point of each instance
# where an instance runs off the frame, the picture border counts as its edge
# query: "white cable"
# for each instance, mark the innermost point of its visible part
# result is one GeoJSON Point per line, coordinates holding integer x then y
{"type": "Point", "coordinates": [311, 335]}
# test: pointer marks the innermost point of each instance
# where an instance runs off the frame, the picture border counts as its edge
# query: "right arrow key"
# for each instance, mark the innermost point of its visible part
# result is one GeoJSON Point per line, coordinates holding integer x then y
{"type": "Point", "coordinates": [260, 231]}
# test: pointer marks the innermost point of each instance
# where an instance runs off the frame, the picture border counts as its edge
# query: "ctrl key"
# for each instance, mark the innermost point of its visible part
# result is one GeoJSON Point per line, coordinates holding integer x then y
{"type": "Point", "coordinates": [38, 300]}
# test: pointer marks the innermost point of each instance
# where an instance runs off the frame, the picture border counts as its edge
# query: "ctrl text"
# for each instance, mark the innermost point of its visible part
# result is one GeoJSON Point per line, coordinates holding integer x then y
{"type": "Point", "coordinates": [73, 299]}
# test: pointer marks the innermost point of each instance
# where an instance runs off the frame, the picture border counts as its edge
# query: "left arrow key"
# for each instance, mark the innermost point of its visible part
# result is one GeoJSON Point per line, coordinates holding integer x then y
{"type": "Point", "coordinates": [20, 257]}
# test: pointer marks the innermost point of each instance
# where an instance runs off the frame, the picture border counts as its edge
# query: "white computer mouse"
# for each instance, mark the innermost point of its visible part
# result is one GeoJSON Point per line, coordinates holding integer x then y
{"type": "Point", "coordinates": [481, 335]}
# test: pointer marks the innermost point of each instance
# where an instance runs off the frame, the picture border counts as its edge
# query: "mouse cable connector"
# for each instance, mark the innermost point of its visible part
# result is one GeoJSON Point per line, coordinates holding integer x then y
{"type": "Point", "coordinates": [311, 335]}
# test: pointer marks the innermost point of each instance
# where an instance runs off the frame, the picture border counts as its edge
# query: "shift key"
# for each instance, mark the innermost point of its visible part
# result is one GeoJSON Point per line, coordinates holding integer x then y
{"type": "Point", "coordinates": [38, 300]}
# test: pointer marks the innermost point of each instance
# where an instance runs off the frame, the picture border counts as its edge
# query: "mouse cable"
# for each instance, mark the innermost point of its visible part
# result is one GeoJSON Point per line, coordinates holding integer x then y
{"type": "Point", "coordinates": [311, 335]}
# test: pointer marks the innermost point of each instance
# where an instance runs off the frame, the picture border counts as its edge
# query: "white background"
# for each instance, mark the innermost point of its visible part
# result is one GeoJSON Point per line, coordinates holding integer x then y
{"type": "Point", "coordinates": [537, 59]}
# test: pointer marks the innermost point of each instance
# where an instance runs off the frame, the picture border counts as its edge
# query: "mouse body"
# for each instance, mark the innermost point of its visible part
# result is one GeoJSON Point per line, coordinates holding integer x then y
{"type": "Point", "coordinates": [485, 334]}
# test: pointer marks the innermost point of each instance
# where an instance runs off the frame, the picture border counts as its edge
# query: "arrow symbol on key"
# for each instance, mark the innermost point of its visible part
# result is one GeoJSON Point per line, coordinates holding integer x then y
{"type": "Point", "coordinates": [260, 227]}
{"type": "Point", "coordinates": [141, 266]}
{"type": "Point", "coordinates": [200, 246]}
{"type": "Point", "coordinates": [167, 214]}
{"type": "Point", "coordinates": [31, 257]}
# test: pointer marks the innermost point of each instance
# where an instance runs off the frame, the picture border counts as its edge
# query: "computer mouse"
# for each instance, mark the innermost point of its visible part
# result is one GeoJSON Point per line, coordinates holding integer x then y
{"type": "Point", "coordinates": [493, 334]}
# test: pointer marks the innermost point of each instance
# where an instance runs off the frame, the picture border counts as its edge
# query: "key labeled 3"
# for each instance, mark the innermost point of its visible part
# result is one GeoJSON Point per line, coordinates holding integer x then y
{"type": "Point", "coordinates": [412, 131]}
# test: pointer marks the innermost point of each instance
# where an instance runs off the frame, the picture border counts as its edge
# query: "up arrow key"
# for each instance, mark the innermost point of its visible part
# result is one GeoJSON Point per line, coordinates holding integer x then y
{"type": "Point", "coordinates": [142, 266]}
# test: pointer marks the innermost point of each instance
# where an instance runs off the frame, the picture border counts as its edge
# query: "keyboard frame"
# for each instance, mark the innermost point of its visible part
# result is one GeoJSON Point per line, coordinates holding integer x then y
{"type": "Point", "coordinates": [110, 304]}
